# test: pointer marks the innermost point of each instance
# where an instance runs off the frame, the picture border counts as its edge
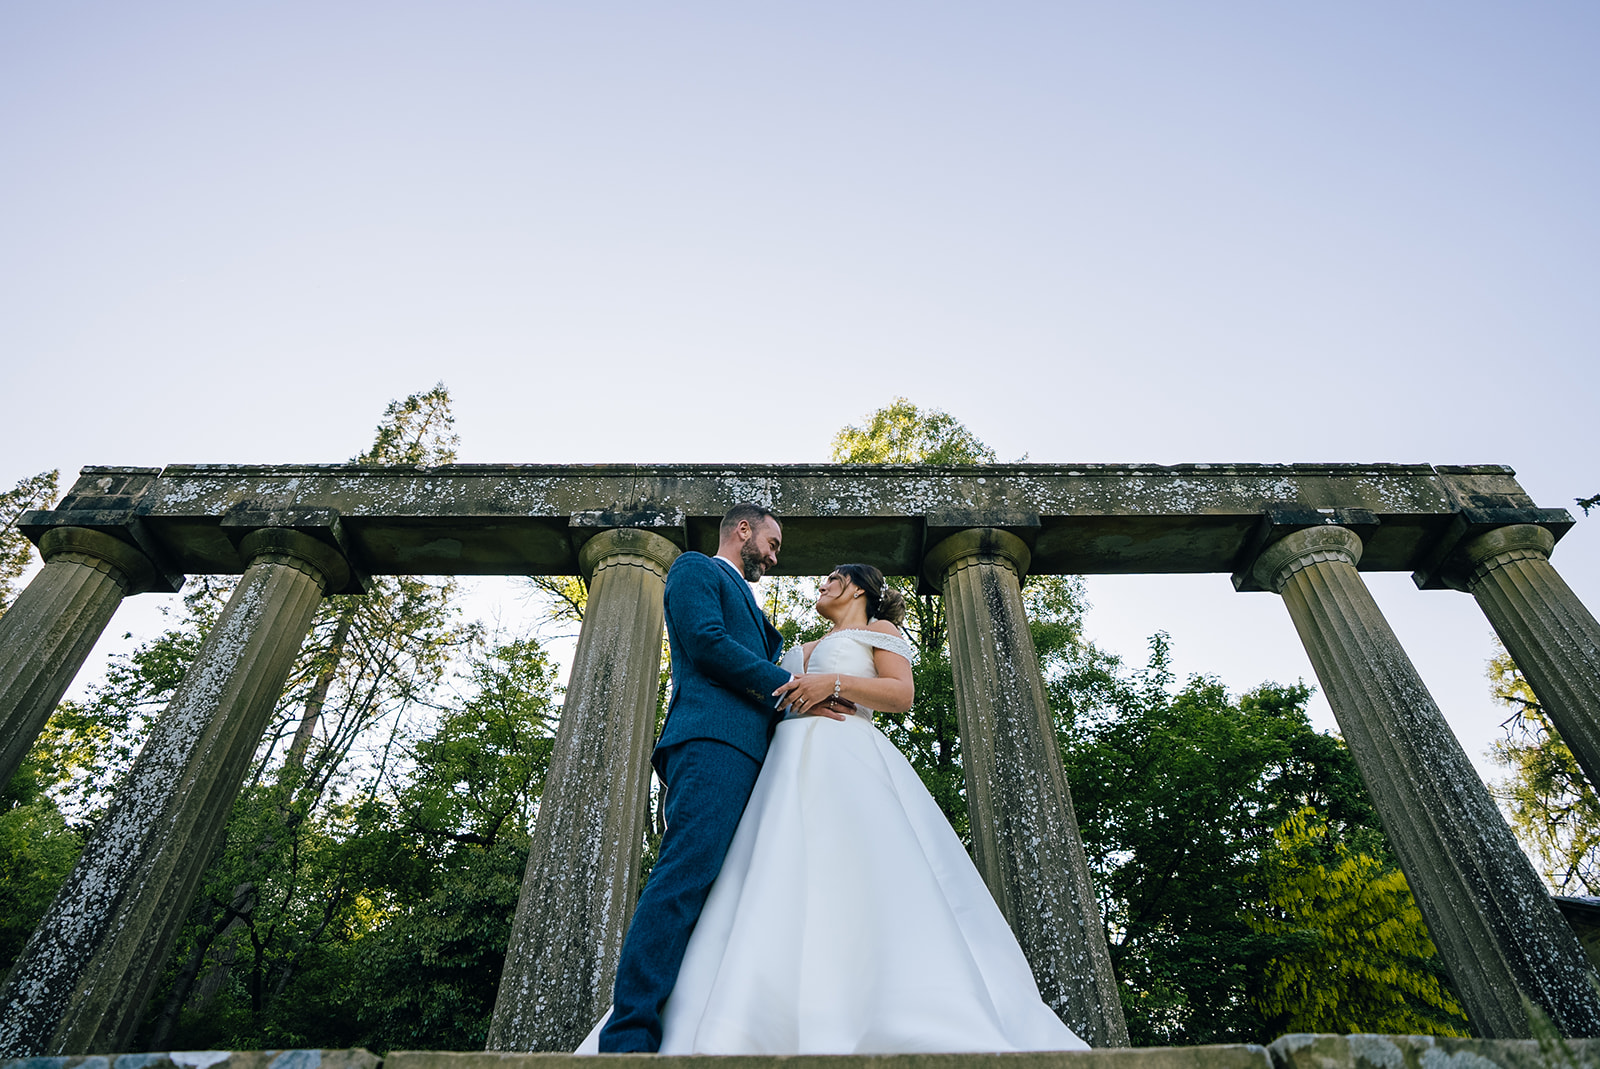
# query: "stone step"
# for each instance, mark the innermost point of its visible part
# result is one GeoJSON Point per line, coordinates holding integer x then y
{"type": "Point", "coordinates": [1299, 1051]}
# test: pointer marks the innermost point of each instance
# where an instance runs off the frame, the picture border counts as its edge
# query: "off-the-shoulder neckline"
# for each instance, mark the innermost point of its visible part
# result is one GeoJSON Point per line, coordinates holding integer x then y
{"type": "Point", "coordinates": [805, 654]}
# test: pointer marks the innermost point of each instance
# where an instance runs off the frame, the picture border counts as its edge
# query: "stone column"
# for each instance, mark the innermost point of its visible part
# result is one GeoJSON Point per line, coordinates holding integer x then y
{"type": "Point", "coordinates": [1024, 832]}
{"type": "Point", "coordinates": [1496, 928]}
{"type": "Point", "coordinates": [54, 623]}
{"type": "Point", "coordinates": [1553, 638]}
{"type": "Point", "coordinates": [582, 879]}
{"type": "Point", "coordinates": [81, 983]}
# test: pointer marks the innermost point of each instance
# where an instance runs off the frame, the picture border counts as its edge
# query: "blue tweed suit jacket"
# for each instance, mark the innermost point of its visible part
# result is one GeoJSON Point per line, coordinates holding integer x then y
{"type": "Point", "coordinates": [723, 659]}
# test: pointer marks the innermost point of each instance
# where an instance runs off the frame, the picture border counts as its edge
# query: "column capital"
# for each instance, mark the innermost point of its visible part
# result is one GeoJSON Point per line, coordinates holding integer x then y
{"type": "Point", "coordinates": [300, 551]}
{"type": "Point", "coordinates": [1449, 563]}
{"type": "Point", "coordinates": [1300, 549]}
{"type": "Point", "coordinates": [127, 563]}
{"type": "Point", "coordinates": [642, 548]}
{"type": "Point", "coordinates": [303, 538]}
{"type": "Point", "coordinates": [987, 544]}
{"type": "Point", "coordinates": [1493, 549]}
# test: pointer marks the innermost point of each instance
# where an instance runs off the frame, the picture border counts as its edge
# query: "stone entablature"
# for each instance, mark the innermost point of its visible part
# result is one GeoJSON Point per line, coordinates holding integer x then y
{"type": "Point", "coordinates": [521, 519]}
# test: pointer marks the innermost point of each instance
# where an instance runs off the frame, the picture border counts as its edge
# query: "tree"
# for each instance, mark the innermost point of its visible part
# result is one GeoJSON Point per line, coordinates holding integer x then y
{"type": "Point", "coordinates": [1353, 953]}
{"type": "Point", "coordinates": [37, 850]}
{"type": "Point", "coordinates": [902, 433]}
{"type": "Point", "coordinates": [1553, 808]}
{"type": "Point", "coordinates": [1177, 791]}
{"type": "Point", "coordinates": [369, 663]}
{"type": "Point", "coordinates": [383, 922]}
{"type": "Point", "coordinates": [16, 552]}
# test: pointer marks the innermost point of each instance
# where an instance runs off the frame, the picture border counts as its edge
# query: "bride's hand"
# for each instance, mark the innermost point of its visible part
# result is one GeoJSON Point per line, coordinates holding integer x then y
{"type": "Point", "coordinates": [810, 695]}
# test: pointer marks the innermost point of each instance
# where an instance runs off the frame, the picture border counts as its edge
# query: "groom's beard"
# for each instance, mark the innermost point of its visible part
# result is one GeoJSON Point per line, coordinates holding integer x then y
{"type": "Point", "coordinates": [754, 566]}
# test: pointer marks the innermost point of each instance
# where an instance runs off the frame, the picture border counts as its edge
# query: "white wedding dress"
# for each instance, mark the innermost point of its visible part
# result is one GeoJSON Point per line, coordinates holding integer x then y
{"type": "Point", "coordinates": [848, 918]}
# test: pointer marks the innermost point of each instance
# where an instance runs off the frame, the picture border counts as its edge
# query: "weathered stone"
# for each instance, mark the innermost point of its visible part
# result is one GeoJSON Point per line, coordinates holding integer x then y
{"type": "Point", "coordinates": [81, 982]}
{"type": "Point", "coordinates": [1553, 638]}
{"type": "Point", "coordinates": [49, 630]}
{"type": "Point", "coordinates": [1583, 917]}
{"type": "Point", "coordinates": [1231, 1056]}
{"type": "Point", "coordinates": [582, 879]}
{"type": "Point", "coordinates": [1308, 1051]}
{"type": "Point", "coordinates": [479, 519]}
{"type": "Point", "coordinates": [354, 1058]}
{"type": "Point", "coordinates": [1497, 931]}
{"type": "Point", "coordinates": [1024, 833]}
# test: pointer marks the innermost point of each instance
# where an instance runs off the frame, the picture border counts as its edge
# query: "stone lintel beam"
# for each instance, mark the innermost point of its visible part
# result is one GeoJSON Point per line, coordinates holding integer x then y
{"type": "Point", "coordinates": [1498, 933]}
{"type": "Point", "coordinates": [49, 630]}
{"type": "Point", "coordinates": [1024, 832]}
{"type": "Point", "coordinates": [582, 879]}
{"type": "Point", "coordinates": [1550, 634]}
{"type": "Point", "coordinates": [81, 982]}
{"type": "Point", "coordinates": [481, 519]}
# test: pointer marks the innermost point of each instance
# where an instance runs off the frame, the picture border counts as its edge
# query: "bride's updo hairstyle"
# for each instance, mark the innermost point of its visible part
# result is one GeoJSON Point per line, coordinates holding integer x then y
{"type": "Point", "coordinates": [883, 601]}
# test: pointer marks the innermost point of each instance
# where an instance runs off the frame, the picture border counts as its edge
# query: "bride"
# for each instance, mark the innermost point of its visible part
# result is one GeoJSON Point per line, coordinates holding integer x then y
{"type": "Point", "coordinates": [847, 917]}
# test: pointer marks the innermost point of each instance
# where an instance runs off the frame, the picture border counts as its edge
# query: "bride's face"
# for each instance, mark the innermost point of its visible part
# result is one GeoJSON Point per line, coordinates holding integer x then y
{"type": "Point", "coordinates": [835, 593]}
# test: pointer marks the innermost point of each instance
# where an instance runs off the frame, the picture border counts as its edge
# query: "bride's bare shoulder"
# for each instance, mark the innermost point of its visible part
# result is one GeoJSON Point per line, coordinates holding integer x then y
{"type": "Point", "coordinates": [884, 627]}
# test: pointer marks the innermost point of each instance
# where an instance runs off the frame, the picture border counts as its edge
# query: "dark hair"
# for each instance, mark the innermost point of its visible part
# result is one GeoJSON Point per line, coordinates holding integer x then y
{"type": "Point", "coordinates": [747, 512]}
{"type": "Point", "coordinates": [883, 601]}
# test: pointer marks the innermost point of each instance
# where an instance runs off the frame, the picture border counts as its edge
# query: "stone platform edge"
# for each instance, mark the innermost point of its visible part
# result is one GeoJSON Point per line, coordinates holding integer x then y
{"type": "Point", "coordinates": [1296, 1051]}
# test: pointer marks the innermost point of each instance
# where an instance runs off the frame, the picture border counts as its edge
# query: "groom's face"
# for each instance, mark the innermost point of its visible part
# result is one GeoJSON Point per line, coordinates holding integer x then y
{"type": "Point", "coordinates": [759, 554]}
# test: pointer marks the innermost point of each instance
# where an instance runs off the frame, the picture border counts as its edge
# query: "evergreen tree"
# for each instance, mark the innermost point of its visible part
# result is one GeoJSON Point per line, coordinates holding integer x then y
{"type": "Point", "coordinates": [16, 552]}
{"type": "Point", "coordinates": [1552, 807]}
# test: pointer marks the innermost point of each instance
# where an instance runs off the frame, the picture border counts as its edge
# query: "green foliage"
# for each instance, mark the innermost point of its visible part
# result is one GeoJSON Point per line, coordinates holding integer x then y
{"type": "Point", "coordinates": [478, 775]}
{"type": "Point", "coordinates": [37, 850]}
{"type": "Point", "coordinates": [1553, 808]}
{"type": "Point", "coordinates": [1353, 952]}
{"type": "Point", "coordinates": [16, 552]}
{"type": "Point", "coordinates": [381, 922]}
{"type": "Point", "coordinates": [417, 430]}
{"type": "Point", "coordinates": [427, 980]}
{"type": "Point", "coordinates": [902, 433]}
{"type": "Point", "coordinates": [1178, 790]}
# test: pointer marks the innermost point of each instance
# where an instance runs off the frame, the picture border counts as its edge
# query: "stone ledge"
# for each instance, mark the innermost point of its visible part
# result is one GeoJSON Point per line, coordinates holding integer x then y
{"type": "Point", "coordinates": [1298, 1051]}
{"type": "Point", "coordinates": [206, 1059]}
{"type": "Point", "coordinates": [1429, 1052]}
{"type": "Point", "coordinates": [1231, 1056]}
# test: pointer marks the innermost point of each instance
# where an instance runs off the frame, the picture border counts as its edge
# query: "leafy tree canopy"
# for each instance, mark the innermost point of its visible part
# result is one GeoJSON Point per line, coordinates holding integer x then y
{"type": "Point", "coordinates": [16, 552]}
{"type": "Point", "coordinates": [1553, 808]}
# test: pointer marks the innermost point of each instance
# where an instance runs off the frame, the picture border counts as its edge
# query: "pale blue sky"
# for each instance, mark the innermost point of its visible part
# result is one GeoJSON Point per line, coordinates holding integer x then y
{"type": "Point", "coordinates": [1115, 232]}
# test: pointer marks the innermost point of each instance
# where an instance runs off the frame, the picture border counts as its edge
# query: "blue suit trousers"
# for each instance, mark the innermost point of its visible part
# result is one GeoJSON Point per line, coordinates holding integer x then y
{"type": "Point", "coordinates": [708, 783]}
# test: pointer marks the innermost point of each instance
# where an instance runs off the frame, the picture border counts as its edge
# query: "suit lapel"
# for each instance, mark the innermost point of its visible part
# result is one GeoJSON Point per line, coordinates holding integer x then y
{"type": "Point", "coordinates": [771, 640]}
{"type": "Point", "coordinates": [749, 597]}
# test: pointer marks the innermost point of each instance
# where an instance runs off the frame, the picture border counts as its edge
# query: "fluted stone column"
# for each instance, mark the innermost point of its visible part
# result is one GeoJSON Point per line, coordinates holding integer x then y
{"type": "Point", "coordinates": [1024, 832]}
{"type": "Point", "coordinates": [1553, 638]}
{"type": "Point", "coordinates": [49, 630]}
{"type": "Point", "coordinates": [581, 883]}
{"type": "Point", "coordinates": [1496, 928]}
{"type": "Point", "coordinates": [81, 983]}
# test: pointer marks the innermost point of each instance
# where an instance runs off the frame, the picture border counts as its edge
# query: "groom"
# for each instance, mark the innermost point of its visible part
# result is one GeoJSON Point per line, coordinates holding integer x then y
{"type": "Point", "coordinates": [711, 748]}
